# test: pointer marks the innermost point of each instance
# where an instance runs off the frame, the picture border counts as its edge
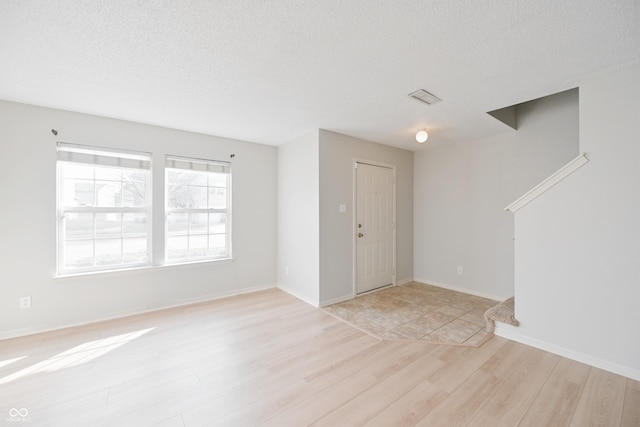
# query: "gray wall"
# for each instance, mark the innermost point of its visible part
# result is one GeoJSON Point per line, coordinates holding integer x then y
{"type": "Point", "coordinates": [337, 154]}
{"type": "Point", "coordinates": [28, 222]}
{"type": "Point", "coordinates": [461, 191]}
{"type": "Point", "coordinates": [578, 245]}
{"type": "Point", "coordinates": [315, 240]}
{"type": "Point", "coordinates": [298, 217]}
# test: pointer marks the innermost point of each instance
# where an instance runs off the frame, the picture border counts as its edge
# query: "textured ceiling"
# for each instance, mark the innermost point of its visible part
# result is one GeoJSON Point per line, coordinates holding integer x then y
{"type": "Point", "coordinates": [270, 71]}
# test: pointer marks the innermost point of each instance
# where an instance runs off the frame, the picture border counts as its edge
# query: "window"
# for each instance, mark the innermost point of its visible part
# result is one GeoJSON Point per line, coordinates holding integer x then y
{"type": "Point", "coordinates": [104, 202]}
{"type": "Point", "coordinates": [198, 195]}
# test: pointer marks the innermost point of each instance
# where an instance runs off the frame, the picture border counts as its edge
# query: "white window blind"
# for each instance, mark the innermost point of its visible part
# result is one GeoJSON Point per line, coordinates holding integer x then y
{"type": "Point", "coordinates": [198, 207]}
{"type": "Point", "coordinates": [104, 202]}
{"type": "Point", "coordinates": [103, 156]}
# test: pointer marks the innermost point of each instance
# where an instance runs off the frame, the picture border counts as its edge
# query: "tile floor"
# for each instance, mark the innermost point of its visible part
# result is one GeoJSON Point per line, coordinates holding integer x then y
{"type": "Point", "coordinates": [418, 311]}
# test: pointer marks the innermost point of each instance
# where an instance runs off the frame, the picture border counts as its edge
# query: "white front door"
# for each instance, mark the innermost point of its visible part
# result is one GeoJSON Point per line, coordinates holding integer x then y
{"type": "Point", "coordinates": [375, 227]}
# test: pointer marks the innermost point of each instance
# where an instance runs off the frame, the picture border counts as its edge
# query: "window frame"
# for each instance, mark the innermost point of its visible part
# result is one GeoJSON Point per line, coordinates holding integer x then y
{"type": "Point", "coordinates": [102, 157]}
{"type": "Point", "coordinates": [204, 166]}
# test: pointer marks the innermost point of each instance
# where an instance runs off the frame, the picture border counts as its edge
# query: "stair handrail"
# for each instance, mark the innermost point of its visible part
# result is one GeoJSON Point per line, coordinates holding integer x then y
{"type": "Point", "coordinates": [552, 180]}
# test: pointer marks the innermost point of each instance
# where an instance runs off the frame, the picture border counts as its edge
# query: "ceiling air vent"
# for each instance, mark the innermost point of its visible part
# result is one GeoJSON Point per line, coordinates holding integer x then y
{"type": "Point", "coordinates": [424, 96]}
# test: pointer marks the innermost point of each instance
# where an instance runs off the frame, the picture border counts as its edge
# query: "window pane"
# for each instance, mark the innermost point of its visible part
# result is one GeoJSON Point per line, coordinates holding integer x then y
{"type": "Point", "coordinates": [198, 197]}
{"type": "Point", "coordinates": [218, 179]}
{"type": "Point", "coordinates": [78, 254]}
{"type": "Point", "coordinates": [78, 193]}
{"type": "Point", "coordinates": [177, 247]}
{"type": "Point", "coordinates": [134, 250]}
{"type": "Point", "coordinates": [134, 194]}
{"type": "Point", "coordinates": [103, 185]}
{"type": "Point", "coordinates": [108, 174]}
{"type": "Point", "coordinates": [217, 223]}
{"type": "Point", "coordinates": [175, 176]}
{"type": "Point", "coordinates": [78, 225]}
{"type": "Point", "coordinates": [108, 225]}
{"type": "Point", "coordinates": [217, 245]}
{"type": "Point", "coordinates": [71, 170]}
{"type": "Point", "coordinates": [177, 224]}
{"type": "Point", "coordinates": [198, 178]}
{"type": "Point", "coordinates": [134, 175]}
{"type": "Point", "coordinates": [197, 192]}
{"type": "Point", "coordinates": [135, 224]}
{"type": "Point", "coordinates": [108, 251]}
{"type": "Point", "coordinates": [217, 198]}
{"type": "Point", "coordinates": [198, 223]}
{"type": "Point", "coordinates": [198, 246]}
{"type": "Point", "coordinates": [178, 196]}
{"type": "Point", "coordinates": [108, 194]}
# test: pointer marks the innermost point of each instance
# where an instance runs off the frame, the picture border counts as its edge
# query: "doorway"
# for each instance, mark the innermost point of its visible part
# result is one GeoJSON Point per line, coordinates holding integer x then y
{"type": "Point", "coordinates": [375, 226]}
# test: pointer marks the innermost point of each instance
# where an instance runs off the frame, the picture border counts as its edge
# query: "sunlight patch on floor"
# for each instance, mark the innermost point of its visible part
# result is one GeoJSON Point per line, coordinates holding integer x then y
{"type": "Point", "coordinates": [75, 356]}
{"type": "Point", "coordinates": [8, 362]}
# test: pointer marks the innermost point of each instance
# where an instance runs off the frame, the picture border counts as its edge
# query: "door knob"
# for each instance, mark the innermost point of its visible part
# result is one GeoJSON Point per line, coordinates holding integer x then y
{"type": "Point", "coordinates": [360, 234]}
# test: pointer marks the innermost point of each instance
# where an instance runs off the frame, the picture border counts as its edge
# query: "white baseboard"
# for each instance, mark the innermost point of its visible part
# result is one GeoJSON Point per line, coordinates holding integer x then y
{"type": "Point", "coordinates": [300, 296]}
{"type": "Point", "coordinates": [336, 300]}
{"type": "Point", "coordinates": [510, 332]}
{"type": "Point", "coordinates": [119, 315]}
{"type": "Point", "coordinates": [463, 290]}
{"type": "Point", "coordinates": [325, 303]}
{"type": "Point", "coordinates": [347, 297]}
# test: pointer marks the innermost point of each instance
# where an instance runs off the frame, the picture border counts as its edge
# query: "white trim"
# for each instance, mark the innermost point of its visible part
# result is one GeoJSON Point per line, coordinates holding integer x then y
{"type": "Point", "coordinates": [124, 314]}
{"type": "Point", "coordinates": [509, 332]}
{"type": "Point", "coordinates": [292, 292]}
{"type": "Point", "coordinates": [62, 210]}
{"type": "Point", "coordinates": [354, 192]}
{"type": "Point", "coordinates": [558, 176]}
{"type": "Point", "coordinates": [403, 281]}
{"type": "Point", "coordinates": [142, 268]}
{"type": "Point", "coordinates": [336, 300]}
{"type": "Point", "coordinates": [463, 290]}
{"type": "Point", "coordinates": [357, 160]}
{"type": "Point", "coordinates": [176, 163]}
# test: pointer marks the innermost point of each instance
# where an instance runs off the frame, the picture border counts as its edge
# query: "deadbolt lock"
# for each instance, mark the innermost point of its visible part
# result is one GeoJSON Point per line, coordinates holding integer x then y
{"type": "Point", "coordinates": [360, 234]}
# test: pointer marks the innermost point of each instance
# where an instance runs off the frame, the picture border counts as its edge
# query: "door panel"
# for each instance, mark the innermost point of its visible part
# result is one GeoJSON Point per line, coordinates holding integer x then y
{"type": "Point", "coordinates": [374, 227]}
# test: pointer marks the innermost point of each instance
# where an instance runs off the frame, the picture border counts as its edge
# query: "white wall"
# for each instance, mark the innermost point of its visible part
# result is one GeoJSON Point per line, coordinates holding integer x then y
{"type": "Point", "coordinates": [28, 222]}
{"type": "Point", "coordinates": [298, 218]}
{"type": "Point", "coordinates": [578, 245]}
{"type": "Point", "coordinates": [337, 154]}
{"type": "Point", "coordinates": [461, 191]}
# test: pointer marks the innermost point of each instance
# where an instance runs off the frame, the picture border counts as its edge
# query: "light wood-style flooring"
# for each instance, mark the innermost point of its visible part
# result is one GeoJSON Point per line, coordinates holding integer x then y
{"type": "Point", "coordinates": [269, 359]}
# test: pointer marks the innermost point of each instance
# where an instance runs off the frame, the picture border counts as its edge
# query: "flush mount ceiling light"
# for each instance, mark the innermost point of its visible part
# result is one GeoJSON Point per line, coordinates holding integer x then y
{"type": "Point", "coordinates": [424, 96]}
{"type": "Point", "coordinates": [422, 136]}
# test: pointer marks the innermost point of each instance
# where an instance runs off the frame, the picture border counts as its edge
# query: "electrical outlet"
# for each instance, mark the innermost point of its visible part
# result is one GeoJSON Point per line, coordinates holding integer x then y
{"type": "Point", "coordinates": [460, 269]}
{"type": "Point", "coordinates": [25, 302]}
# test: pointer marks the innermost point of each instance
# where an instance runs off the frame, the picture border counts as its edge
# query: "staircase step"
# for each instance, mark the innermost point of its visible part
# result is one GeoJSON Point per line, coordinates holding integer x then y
{"type": "Point", "coordinates": [503, 312]}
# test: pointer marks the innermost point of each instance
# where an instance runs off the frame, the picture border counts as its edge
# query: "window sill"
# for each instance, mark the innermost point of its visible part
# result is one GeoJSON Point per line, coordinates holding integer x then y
{"type": "Point", "coordinates": [143, 268]}
{"type": "Point", "coordinates": [200, 261]}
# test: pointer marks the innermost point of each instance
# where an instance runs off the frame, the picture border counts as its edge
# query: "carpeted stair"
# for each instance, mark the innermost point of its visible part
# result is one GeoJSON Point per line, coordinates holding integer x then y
{"type": "Point", "coordinates": [503, 312]}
